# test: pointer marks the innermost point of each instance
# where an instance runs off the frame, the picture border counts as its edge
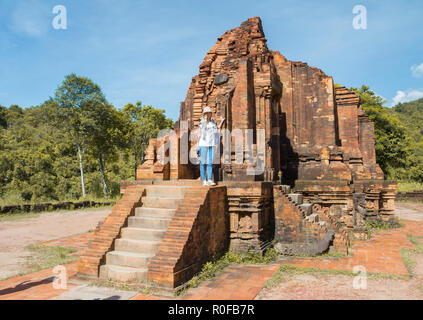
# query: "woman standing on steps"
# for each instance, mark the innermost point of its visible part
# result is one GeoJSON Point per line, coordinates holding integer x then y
{"type": "Point", "coordinates": [209, 137]}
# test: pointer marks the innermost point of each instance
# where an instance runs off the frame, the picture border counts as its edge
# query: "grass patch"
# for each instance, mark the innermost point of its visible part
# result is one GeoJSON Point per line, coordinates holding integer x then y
{"type": "Point", "coordinates": [212, 268]}
{"type": "Point", "coordinates": [15, 199]}
{"type": "Point", "coordinates": [288, 270]}
{"type": "Point", "coordinates": [45, 257]}
{"type": "Point", "coordinates": [377, 225]}
{"type": "Point", "coordinates": [11, 217]}
{"type": "Point", "coordinates": [404, 186]}
{"type": "Point", "coordinates": [407, 255]}
{"type": "Point", "coordinates": [22, 216]}
{"type": "Point", "coordinates": [416, 242]}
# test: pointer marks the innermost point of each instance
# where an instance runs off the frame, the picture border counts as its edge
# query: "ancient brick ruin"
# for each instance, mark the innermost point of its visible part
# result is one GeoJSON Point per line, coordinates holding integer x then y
{"type": "Point", "coordinates": [318, 184]}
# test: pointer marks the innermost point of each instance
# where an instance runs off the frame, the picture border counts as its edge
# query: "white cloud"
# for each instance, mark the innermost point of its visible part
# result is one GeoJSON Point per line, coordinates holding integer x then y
{"type": "Point", "coordinates": [31, 17]}
{"type": "Point", "coordinates": [406, 96]}
{"type": "Point", "coordinates": [417, 70]}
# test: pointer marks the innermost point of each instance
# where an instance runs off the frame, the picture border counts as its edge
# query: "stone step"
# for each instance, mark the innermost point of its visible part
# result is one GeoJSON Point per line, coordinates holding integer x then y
{"type": "Point", "coordinates": [154, 212]}
{"type": "Point", "coordinates": [142, 233]}
{"type": "Point", "coordinates": [297, 198]}
{"type": "Point", "coordinates": [128, 259]}
{"type": "Point", "coordinates": [314, 217]}
{"type": "Point", "coordinates": [166, 191]}
{"type": "Point", "coordinates": [148, 222]}
{"type": "Point", "coordinates": [163, 203]}
{"type": "Point", "coordinates": [140, 246]}
{"type": "Point", "coordinates": [179, 183]}
{"type": "Point", "coordinates": [307, 208]}
{"type": "Point", "coordinates": [123, 274]}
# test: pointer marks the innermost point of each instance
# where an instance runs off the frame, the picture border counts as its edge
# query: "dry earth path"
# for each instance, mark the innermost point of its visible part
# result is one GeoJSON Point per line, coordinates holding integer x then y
{"type": "Point", "coordinates": [381, 254]}
{"type": "Point", "coordinates": [16, 235]}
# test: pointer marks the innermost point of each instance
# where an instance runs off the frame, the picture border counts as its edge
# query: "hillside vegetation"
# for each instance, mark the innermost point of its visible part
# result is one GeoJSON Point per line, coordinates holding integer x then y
{"type": "Point", "coordinates": [398, 137]}
{"type": "Point", "coordinates": [73, 146]}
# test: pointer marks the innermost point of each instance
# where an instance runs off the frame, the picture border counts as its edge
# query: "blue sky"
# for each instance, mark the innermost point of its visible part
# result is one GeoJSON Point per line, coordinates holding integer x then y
{"type": "Point", "coordinates": [149, 50]}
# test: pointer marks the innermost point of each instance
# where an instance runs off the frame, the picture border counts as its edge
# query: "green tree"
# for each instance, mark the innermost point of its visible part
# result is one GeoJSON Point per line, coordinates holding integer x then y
{"type": "Point", "coordinates": [105, 131]}
{"type": "Point", "coordinates": [144, 122]}
{"type": "Point", "coordinates": [393, 145]}
{"type": "Point", "coordinates": [3, 115]}
{"type": "Point", "coordinates": [411, 115]}
{"type": "Point", "coordinates": [71, 96]}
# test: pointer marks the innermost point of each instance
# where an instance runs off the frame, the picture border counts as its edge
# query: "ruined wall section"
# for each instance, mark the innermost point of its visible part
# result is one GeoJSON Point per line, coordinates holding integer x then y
{"type": "Point", "coordinates": [308, 101]}
{"type": "Point", "coordinates": [356, 132]}
{"type": "Point", "coordinates": [312, 147]}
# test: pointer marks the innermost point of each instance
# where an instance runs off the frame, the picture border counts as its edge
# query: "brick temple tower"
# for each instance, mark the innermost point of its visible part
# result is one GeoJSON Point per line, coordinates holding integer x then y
{"type": "Point", "coordinates": [317, 185]}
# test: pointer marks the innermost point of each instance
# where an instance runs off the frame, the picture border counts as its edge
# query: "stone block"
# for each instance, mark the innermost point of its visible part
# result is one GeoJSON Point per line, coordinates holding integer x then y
{"type": "Point", "coordinates": [297, 198]}
{"type": "Point", "coordinates": [313, 217]}
{"type": "Point", "coordinates": [307, 208]}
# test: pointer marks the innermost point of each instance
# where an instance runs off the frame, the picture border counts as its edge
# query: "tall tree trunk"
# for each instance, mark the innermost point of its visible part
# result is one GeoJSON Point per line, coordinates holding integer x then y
{"type": "Point", "coordinates": [81, 169]}
{"type": "Point", "coordinates": [135, 164]}
{"type": "Point", "coordinates": [100, 162]}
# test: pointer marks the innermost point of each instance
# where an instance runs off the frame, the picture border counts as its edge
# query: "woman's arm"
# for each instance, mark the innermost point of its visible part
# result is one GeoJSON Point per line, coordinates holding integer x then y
{"type": "Point", "coordinates": [218, 130]}
{"type": "Point", "coordinates": [222, 120]}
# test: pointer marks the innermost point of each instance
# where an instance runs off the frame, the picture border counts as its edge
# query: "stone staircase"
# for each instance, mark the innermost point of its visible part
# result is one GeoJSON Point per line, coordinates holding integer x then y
{"type": "Point", "coordinates": [320, 229]}
{"type": "Point", "coordinates": [307, 210]}
{"type": "Point", "coordinates": [139, 241]}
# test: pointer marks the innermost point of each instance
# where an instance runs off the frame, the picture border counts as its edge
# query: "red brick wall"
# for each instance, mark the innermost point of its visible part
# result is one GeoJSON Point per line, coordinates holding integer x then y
{"type": "Point", "coordinates": [104, 237]}
{"type": "Point", "coordinates": [197, 233]}
{"type": "Point", "coordinates": [367, 142]}
{"type": "Point", "coordinates": [308, 103]}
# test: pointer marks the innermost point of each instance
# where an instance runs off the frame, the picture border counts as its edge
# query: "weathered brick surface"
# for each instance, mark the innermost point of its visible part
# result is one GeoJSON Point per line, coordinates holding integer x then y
{"type": "Point", "coordinates": [251, 215]}
{"type": "Point", "coordinates": [292, 225]}
{"type": "Point", "coordinates": [197, 233]}
{"type": "Point", "coordinates": [317, 138]}
{"type": "Point", "coordinates": [154, 167]}
{"type": "Point", "coordinates": [313, 131]}
{"type": "Point", "coordinates": [104, 236]}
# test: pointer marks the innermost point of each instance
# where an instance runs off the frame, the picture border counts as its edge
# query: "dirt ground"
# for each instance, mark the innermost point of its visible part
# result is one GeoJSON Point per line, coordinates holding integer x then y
{"type": "Point", "coordinates": [409, 211]}
{"type": "Point", "coordinates": [16, 235]}
{"type": "Point", "coordinates": [315, 286]}
{"type": "Point", "coordinates": [340, 287]}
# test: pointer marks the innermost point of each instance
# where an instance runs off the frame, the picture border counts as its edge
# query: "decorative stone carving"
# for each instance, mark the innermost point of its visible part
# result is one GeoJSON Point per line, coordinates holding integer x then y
{"type": "Point", "coordinates": [220, 78]}
{"type": "Point", "coordinates": [245, 224]}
